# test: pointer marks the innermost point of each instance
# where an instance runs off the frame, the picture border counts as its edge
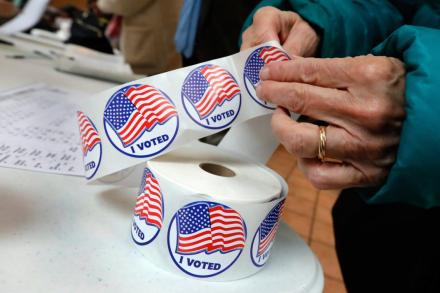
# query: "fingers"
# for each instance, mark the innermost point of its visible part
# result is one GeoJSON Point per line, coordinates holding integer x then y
{"type": "Point", "coordinates": [302, 40]}
{"type": "Point", "coordinates": [361, 98]}
{"type": "Point", "coordinates": [339, 176]}
{"type": "Point", "coordinates": [265, 27]}
{"type": "Point", "coordinates": [302, 139]}
{"type": "Point", "coordinates": [330, 176]}
{"type": "Point", "coordinates": [334, 72]}
{"type": "Point", "coordinates": [317, 102]}
{"type": "Point", "coordinates": [286, 27]}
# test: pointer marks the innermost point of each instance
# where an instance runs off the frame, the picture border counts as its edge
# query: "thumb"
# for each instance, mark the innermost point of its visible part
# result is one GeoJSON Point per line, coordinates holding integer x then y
{"type": "Point", "coordinates": [302, 40]}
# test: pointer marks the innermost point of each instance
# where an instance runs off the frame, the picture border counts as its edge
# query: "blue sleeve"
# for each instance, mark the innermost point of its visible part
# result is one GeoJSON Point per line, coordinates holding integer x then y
{"type": "Point", "coordinates": [349, 27]}
{"type": "Point", "coordinates": [346, 27]}
{"type": "Point", "coordinates": [415, 176]}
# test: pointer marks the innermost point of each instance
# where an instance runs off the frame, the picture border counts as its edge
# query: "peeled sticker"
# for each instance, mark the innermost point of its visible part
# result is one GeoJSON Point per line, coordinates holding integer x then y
{"type": "Point", "coordinates": [146, 118]}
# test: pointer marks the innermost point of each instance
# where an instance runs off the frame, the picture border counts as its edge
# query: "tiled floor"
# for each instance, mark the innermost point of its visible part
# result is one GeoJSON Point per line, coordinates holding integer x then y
{"type": "Point", "coordinates": [308, 212]}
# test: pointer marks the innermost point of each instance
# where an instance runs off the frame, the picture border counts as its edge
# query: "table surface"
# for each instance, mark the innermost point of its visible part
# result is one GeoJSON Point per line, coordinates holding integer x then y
{"type": "Point", "coordinates": [59, 234]}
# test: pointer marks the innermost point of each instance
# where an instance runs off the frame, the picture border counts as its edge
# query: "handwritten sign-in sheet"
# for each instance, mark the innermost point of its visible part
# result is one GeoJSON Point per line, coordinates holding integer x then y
{"type": "Point", "coordinates": [38, 131]}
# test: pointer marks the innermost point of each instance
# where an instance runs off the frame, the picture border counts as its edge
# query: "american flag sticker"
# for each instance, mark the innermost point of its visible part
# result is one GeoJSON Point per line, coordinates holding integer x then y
{"type": "Point", "coordinates": [140, 120]}
{"type": "Point", "coordinates": [90, 144]}
{"type": "Point", "coordinates": [265, 235]}
{"type": "Point", "coordinates": [206, 238]}
{"type": "Point", "coordinates": [255, 63]}
{"type": "Point", "coordinates": [148, 211]}
{"type": "Point", "coordinates": [211, 96]}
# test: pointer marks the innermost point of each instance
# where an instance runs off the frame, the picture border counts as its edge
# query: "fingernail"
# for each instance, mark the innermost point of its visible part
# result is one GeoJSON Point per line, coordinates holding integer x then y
{"type": "Point", "coordinates": [258, 90]}
{"type": "Point", "coordinates": [257, 87]}
{"type": "Point", "coordinates": [264, 73]}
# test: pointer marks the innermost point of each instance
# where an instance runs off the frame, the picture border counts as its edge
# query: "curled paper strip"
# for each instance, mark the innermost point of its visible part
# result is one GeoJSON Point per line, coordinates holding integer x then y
{"type": "Point", "coordinates": [220, 225]}
{"type": "Point", "coordinates": [143, 119]}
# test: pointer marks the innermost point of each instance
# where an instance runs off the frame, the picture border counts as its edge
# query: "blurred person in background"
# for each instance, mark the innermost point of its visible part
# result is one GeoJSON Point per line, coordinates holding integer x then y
{"type": "Point", "coordinates": [7, 11]}
{"type": "Point", "coordinates": [88, 27]}
{"type": "Point", "coordinates": [148, 28]}
{"type": "Point", "coordinates": [212, 28]}
{"type": "Point", "coordinates": [375, 133]}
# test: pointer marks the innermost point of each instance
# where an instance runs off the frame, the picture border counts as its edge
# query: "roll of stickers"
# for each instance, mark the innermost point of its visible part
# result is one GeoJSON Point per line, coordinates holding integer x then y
{"type": "Point", "coordinates": [135, 122]}
{"type": "Point", "coordinates": [202, 211]}
{"type": "Point", "coordinates": [207, 213]}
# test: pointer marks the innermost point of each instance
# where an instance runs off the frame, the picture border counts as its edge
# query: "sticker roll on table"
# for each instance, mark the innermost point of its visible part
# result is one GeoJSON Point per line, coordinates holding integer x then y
{"type": "Point", "coordinates": [135, 122]}
{"type": "Point", "coordinates": [202, 211]}
{"type": "Point", "coordinates": [207, 213]}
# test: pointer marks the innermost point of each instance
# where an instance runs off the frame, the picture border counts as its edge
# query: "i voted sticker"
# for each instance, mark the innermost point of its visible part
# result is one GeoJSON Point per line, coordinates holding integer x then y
{"type": "Point", "coordinates": [265, 235]}
{"type": "Point", "coordinates": [206, 238]}
{"type": "Point", "coordinates": [211, 96]}
{"type": "Point", "coordinates": [91, 145]}
{"type": "Point", "coordinates": [253, 65]}
{"type": "Point", "coordinates": [149, 210]}
{"type": "Point", "coordinates": [140, 120]}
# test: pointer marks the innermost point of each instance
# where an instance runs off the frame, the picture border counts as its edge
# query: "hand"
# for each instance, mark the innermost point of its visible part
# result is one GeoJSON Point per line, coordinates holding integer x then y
{"type": "Point", "coordinates": [361, 99]}
{"type": "Point", "coordinates": [296, 36]}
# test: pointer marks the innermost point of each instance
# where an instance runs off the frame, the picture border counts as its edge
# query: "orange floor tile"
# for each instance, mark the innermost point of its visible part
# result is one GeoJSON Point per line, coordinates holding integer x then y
{"type": "Point", "coordinates": [308, 212]}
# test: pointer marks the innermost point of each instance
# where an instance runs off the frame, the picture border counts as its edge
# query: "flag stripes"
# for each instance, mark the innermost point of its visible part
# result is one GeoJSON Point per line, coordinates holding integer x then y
{"type": "Point", "coordinates": [269, 228]}
{"type": "Point", "coordinates": [216, 228]}
{"type": "Point", "coordinates": [221, 87]}
{"type": "Point", "coordinates": [272, 54]}
{"type": "Point", "coordinates": [149, 202]}
{"type": "Point", "coordinates": [88, 133]}
{"type": "Point", "coordinates": [151, 108]}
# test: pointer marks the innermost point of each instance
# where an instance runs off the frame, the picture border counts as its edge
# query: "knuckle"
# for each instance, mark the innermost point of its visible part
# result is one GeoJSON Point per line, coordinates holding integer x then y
{"type": "Point", "coordinates": [279, 71]}
{"type": "Point", "coordinates": [371, 175]}
{"type": "Point", "coordinates": [370, 148]}
{"type": "Point", "coordinates": [298, 97]}
{"type": "Point", "coordinates": [388, 158]}
{"type": "Point", "coordinates": [274, 69]}
{"type": "Point", "coordinates": [261, 35]}
{"type": "Point", "coordinates": [385, 151]}
{"type": "Point", "coordinates": [353, 148]}
{"type": "Point", "coordinates": [370, 68]}
{"type": "Point", "coordinates": [398, 66]}
{"type": "Point", "coordinates": [381, 69]}
{"type": "Point", "coordinates": [308, 72]}
{"type": "Point", "coordinates": [377, 114]}
{"type": "Point", "coordinates": [375, 149]}
{"type": "Point", "coordinates": [295, 143]}
{"type": "Point", "coordinates": [265, 12]}
{"type": "Point", "coordinates": [292, 15]}
{"type": "Point", "coordinates": [378, 150]}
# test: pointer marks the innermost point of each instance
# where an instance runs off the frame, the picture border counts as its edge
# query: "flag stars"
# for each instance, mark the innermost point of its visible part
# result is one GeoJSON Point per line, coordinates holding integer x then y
{"type": "Point", "coordinates": [196, 233]}
{"type": "Point", "coordinates": [254, 65]}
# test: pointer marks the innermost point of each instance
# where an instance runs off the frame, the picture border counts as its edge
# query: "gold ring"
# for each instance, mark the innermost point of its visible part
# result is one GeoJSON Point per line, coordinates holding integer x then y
{"type": "Point", "coordinates": [322, 142]}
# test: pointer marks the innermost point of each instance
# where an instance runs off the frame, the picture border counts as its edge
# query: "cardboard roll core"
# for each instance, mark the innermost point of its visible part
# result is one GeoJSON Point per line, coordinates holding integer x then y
{"type": "Point", "coordinates": [216, 169]}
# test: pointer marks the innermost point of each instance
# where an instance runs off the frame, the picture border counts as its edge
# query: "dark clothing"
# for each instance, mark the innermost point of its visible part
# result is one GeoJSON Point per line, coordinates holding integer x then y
{"type": "Point", "coordinates": [387, 248]}
{"type": "Point", "coordinates": [219, 28]}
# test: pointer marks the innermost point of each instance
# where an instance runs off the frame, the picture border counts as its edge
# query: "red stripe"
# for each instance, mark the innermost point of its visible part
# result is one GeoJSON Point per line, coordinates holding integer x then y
{"type": "Point", "coordinates": [149, 203]}
{"type": "Point", "coordinates": [225, 249]}
{"type": "Point", "coordinates": [270, 55]}
{"type": "Point", "coordinates": [88, 134]}
{"type": "Point", "coordinates": [193, 236]}
{"type": "Point", "coordinates": [221, 84]}
{"type": "Point", "coordinates": [146, 115]}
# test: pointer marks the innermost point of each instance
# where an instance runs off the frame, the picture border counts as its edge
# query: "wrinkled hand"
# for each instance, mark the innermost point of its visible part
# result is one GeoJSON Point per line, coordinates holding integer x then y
{"type": "Point", "coordinates": [361, 99]}
{"type": "Point", "coordinates": [296, 36]}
